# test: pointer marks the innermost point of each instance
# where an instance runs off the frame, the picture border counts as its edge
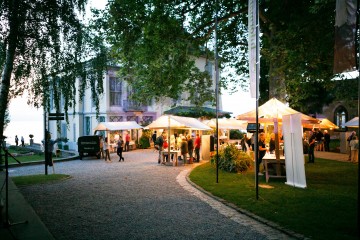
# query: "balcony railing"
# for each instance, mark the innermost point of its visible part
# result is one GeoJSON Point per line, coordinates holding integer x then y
{"type": "Point", "coordinates": [132, 106]}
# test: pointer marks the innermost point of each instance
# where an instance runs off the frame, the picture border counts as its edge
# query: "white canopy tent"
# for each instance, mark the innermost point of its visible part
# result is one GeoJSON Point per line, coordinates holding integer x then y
{"type": "Point", "coordinates": [227, 123]}
{"type": "Point", "coordinates": [352, 123]}
{"type": "Point", "coordinates": [170, 121]}
{"type": "Point", "coordinates": [116, 126]}
{"type": "Point", "coordinates": [274, 109]}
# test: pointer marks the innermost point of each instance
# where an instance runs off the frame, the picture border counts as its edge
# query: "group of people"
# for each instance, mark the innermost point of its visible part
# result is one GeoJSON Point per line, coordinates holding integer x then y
{"type": "Point", "coordinates": [17, 141]}
{"type": "Point", "coordinates": [184, 143]}
{"type": "Point", "coordinates": [318, 140]}
{"type": "Point", "coordinates": [120, 144]}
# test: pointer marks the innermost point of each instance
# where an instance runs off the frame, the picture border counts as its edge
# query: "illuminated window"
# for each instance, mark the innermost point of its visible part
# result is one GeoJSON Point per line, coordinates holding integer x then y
{"type": "Point", "coordinates": [340, 117]}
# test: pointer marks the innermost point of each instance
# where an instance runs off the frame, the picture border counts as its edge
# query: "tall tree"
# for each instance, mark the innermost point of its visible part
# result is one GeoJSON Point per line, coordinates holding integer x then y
{"type": "Point", "coordinates": [44, 47]}
{"type": "Point", "coordinates": [151, 36]}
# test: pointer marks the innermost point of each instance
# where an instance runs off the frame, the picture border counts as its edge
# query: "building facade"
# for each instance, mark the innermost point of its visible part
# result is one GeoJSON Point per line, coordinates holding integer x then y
{"type": "Point", "coordinates": [115, 106]}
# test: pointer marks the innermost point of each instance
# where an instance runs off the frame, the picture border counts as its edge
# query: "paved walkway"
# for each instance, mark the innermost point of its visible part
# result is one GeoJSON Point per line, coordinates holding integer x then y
{"type": "Point", "coordinates": [135, 199]}
{"type": "Point", "coordinates": [332, 156]}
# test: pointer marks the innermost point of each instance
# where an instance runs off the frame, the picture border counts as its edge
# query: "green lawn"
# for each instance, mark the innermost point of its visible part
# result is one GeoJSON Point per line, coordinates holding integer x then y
{"type": "Point", "coordinates": [38, 179]}
{"type": "Point", "coordinates": [326, 209]}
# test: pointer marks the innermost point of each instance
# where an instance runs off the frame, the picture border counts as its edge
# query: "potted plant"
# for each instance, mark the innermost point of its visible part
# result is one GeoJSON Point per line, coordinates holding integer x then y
{"type": "Point", "coordinates": [31, 139]}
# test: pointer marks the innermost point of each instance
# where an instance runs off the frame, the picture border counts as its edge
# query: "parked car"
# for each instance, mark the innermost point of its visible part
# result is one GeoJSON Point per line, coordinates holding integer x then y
{"type": "Point", "coordinates": [89, 146]}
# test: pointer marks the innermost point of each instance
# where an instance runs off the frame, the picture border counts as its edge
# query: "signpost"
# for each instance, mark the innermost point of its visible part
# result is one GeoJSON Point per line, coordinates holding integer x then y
{"type": "Point", "coordinates": [50, 117]}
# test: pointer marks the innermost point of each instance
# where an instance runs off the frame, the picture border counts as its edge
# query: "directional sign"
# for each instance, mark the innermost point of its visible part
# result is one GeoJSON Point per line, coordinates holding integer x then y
{"type": "Point", "coordinates": [56, 116]}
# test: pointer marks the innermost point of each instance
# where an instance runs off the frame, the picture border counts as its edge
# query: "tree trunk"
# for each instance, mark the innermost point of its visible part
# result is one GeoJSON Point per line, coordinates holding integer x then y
{"type": "Point", "coordinates": [277, 86]}
{"type": "Point", "coordinates": [5, 85]}
{"type": "Point", "coordinates": [9, 63]}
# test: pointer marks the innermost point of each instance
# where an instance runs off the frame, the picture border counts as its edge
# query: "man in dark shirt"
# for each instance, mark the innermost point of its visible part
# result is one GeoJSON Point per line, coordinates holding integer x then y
{"type": "Point", "coordinates": [326, 141]}
{"type": "Point", "coordinates": [312, 147]}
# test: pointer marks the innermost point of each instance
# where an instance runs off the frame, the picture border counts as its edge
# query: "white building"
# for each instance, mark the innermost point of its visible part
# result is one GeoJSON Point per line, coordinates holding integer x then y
{"type": "Point", "coordinates": [115, 107]}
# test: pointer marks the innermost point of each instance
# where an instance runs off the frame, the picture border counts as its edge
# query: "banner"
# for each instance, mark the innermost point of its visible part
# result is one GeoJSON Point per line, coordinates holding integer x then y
{"type": "Point", "coordinates": [253, 49]}
{"type": "Point", "coordinates": [345, 33]}
{"type": "Point", "coordinates": [294, 157]}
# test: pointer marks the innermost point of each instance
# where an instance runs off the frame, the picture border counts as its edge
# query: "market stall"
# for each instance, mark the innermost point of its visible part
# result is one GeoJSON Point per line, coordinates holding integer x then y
{"type": "Point", "coordinates": [115, 127]}
{"type": "Point", "coordinates": [276, 113]}
{"type": "Point", "coordinates": [170, 124]}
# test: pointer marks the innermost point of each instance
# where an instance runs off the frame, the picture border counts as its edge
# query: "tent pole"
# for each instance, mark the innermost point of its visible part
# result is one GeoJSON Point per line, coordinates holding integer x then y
{"type": "Point", "coordinates": [256, 152]}
{"type": "Point", "coordinates": [358, 66]}
{"type": "Point", "coordinates": [217, 94]}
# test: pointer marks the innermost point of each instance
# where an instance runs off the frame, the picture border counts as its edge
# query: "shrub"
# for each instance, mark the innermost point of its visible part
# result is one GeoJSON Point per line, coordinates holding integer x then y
{"type": "Point", "coordinates": [232, 160]}
{"type": "Point", "coordinates": [144, 142]}
{"type": "Point", "coordinates": [236, 134]}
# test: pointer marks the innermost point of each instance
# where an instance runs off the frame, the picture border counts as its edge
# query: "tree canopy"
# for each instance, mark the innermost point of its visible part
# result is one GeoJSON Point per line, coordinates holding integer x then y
{"type": "Point", "coordinates": [155, 41]}
{"type": "Point", "coordinates": [44, 47]}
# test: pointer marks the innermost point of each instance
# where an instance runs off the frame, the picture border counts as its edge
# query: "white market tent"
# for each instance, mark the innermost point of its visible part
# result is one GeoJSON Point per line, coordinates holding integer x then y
{"type": "Point", "coordinates": [352, 123]}
{"type": "Point", "coordinates": [274, 109]}
{"type": "Point", "coordinates": [170, 121]}
{"type": "Point", "coordinates": [225, 123]}
{"type": "Point", "coordinates": [116, 126]}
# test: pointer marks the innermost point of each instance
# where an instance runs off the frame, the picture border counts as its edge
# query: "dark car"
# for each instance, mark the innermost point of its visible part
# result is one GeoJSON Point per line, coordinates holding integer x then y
{"type": "Point", "coordinates": [89, 146]}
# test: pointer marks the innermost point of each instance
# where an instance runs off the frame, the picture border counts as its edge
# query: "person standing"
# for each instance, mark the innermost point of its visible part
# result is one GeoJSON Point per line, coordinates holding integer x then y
{"type": "Point", "coordinates": [107, 150]}
{"type": "Point", "coordinates": [127, 142]}
{"type": "Point", "coordinates": [16, 140]}
{"type": "Point", "coordinates": [160, 142]}
{"type": "Point", "coordinates": [197, 147]}
{"type": "Point", "coordinates": [348, 140]}
{"type": "Point", "coordinates": [261, 151]}
{"type": "Point", "coordinates": [50, 149]}
{"type": "Point", "coordinates": [190, 148]}
{"type": "Point", "coordinates": [22, 141]}
{"type": "Point", "coordinates": [312, 141]}
{"type": "Point", "coordinates": [119, 149]}
{"type": "Point", "coordinates": [326, 141]}
{"type": "Point", "coordinates": [354, 147]}
{"type": "Point", "coordinates": [319, 140]}
{"type": "Point", "coordinates": [102, 147]}
{"type": "Point", "coordinates": [272, 143]}
{"type": "Point", "coordinates": [153, 137]}
{"type": "Point", "coordinates": [184, 149]}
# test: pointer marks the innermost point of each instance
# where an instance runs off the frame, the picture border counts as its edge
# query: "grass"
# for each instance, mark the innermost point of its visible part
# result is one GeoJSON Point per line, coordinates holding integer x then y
{"type": "Point", "coordinates": [326, 209]}
{"type": "Point", "coordinates": [38, 179]}
{"type": "Point", "coordinates": [36, 157]}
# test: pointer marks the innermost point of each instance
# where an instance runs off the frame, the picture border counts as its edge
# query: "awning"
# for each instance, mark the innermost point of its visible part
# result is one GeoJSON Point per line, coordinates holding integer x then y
{"type": "Point", "coordinates": [116, 126]}
{"type": "Point", "coordinates": [177, 122]}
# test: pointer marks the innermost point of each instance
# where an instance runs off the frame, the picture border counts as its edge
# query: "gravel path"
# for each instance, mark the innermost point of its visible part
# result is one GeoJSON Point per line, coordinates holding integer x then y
{"type": "Point", "coordinates": [135, 199]}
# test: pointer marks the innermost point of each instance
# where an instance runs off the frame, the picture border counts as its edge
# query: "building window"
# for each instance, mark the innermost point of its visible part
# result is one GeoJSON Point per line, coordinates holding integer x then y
{"type": "Point", "coordinates": [64, 130]}
{"type": "Point", "coordinates": [87, 126]}
{"type": "Point", "coordinates": [147, 120]}
{"type": "Point", "coordinates": [115, 91]}
{"type": "Point", "coordinates": [209, 68]}
{"type": "Point", "coordinates": [340, 117]}
{"type": "Point", "coordinates": [102, 119]}
{"type": "Point", "coordinates": [132, 118]}
{"type": "Point", "coordinates": [116, 118]}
